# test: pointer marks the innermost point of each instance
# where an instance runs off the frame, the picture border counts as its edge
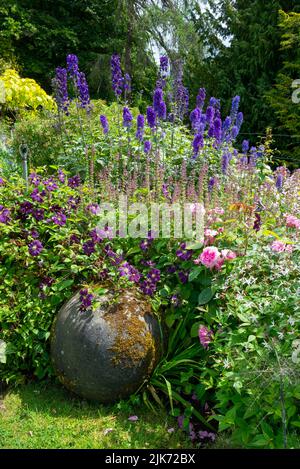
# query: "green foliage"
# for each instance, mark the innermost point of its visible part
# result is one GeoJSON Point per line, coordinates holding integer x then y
{"type": "Point", "coordinates": [280, 98]}
{"type": "Point", "coordinates": [258, 371]}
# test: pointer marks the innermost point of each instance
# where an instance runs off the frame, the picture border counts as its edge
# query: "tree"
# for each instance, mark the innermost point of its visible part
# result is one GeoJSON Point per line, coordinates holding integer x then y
{"type": "Point", "coordinates": [284, 98]}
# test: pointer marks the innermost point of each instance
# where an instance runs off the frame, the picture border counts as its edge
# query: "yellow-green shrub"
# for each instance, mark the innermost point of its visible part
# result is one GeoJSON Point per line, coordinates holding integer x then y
{"type": "Point", "coordinates": [20, 94]}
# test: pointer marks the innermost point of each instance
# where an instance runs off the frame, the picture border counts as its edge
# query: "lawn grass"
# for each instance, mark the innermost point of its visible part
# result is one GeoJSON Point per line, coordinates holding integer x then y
{"type": "Point", "coordinates": [47, 416]}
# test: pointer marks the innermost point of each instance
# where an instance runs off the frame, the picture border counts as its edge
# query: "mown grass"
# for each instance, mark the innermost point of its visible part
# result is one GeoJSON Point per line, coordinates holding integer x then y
{"type": "Point", "coordinates": [47, 416]}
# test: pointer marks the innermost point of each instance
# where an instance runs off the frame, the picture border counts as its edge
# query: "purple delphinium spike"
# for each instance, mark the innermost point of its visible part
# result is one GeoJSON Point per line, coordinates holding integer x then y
{"type": "Point", "coordinates": [147, 146]}
{"type": "Point", "coordinates": [104, 124]}
{"type": "Point", "coordinates": [210, 113]}
{"type": "Point", "coordinates": [201, 98]}
{"type": "Point", "coordinates": [239, 120]}
{"type": "Point", "coordinates": [61, 89]}
{"type": "Point", "coordinates": [116, 75]}
{"type": "Point", "coordinates": [127, 117]}
{"type": "Point", "coordinates": [72, 65]}
{"type": "Point", "coordinates": [245, 146]}
{"type": "Point", "coordinates": [235, 107]}
{"type": "Point", "coordinates": [157, 98]}
{"type": "Point", "coordinates": [140, 124]}
{"type": "Point", "coordinates": [164, 63]}
{"type": "Point", "coordinates": [279, 181]}
{"type": "Point", "coordinates": [151, 117]}
{"type": "Point", "coordinates": [162, 110]}
{"type": "Point", "coordinates": [83, 91]}
{"type": "Point", "coordinates": [198, 143]}
{"type": "Point", "coordinates": [225, 162]}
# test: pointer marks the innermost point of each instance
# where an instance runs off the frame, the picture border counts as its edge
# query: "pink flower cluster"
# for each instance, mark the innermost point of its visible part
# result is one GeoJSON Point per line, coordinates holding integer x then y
{"type": "Point", "coordinates": [205, 336]}
{"type": "Point", "coordinates": [212, 258]}
{"type": "Point", "coordinates": [279, 246]}
{"type": "Point", "coordinates": [292, 222]}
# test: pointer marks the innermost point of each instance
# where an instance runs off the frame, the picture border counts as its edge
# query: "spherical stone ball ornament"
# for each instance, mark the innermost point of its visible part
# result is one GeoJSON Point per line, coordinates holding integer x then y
{"type": "Point", "coordinates": [108, 351]}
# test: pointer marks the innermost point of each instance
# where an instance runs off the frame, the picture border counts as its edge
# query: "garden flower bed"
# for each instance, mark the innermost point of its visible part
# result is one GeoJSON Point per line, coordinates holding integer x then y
{"type": "Point", "coordinates": [225, 291]}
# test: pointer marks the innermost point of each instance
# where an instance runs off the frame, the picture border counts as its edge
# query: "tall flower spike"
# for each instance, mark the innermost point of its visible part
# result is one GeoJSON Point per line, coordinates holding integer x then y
{"type": "Point", "coordinates": [72, 65]}
{"type": "Point", "coordinates": [61, 89]}
{"type": "Point", "coordinates": [116, 75]}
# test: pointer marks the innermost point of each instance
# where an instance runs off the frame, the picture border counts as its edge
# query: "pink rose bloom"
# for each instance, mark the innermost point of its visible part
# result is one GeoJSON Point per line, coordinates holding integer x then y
{"type": "Point", "coordinates": [220, 230]}
{"type": "Point", "coordinates": [228, 255]}
{"type": "Point", "coordinates": [278, 246]}
{"type": "Point", "coordinates": [289, 248]}
{"type": "Point", "coordinates": [219, 263]}
{"type": "Point", "coordinates": [210, 256]}
{"type": "Point", "coordinates": [292, 222]}
{"type": "Point", "coordinates": [210, 233]}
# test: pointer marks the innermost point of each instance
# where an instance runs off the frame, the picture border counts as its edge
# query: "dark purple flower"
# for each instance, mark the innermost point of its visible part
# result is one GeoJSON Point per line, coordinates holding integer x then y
{"type": "Point", "coordinates": [4, 215]}
{"type": "Point", "coordinates": [140, 123]}
{"type": "Point", "coordinates": [94, 209]}
{"type": "Point", "coordinates": [164, 63]}
{"type": "Point", "coordinates": [157, 99]}
{"type": "Point", "coordinates": [151, 117]}
{"type": "Point", "coordinates": [2, 182]}
{"type": "Point", "coordinates": [35, 179]}
{"type": "Point", "coordinates": [116, 75]}
{"type": "Point", "coordinates": [148, 263]}
{"type": "Point", "coordinates": [35, 248]}
{"type": "Point", "coordinates": [59, 219]}
{"type": "Point", "coordinates": [38, 213]}
{"type": "Point", "coordinates": [147, 146]}
{"type": "Point", "coordinates": [72, 65]}
{"type": "Point", "coordinates": [211, 184]}
{"type": "Point", "coordinates": [88, 247]}
{"type": "Point", "coordinates": [145, 244]}
{"type": "Point", "coordinates": [130, 272]}
{"type": "Point", "coordinates": [214, 102]}
{"type": "Point", "coordinates": [104, 123]}
{"type": "Point", "coordinates": [34, 234]}
{"type": "Point", "coordinates": [46, 282]}
{"type": "Point", "coordinates": [154, 275]}
{"type": "Point", "coordinates": [50, 185]}
{"type": "Point", "coordinates": [235, 107]}
{"type": "Point", "coordinates": [227, 124]}
{"type": "Point", "coordinates": [279, 181]}
{"type": "Point", "coordinates": [183, 277]}
{"type": "Point", "coordinates": [183, 253]}
{"type": "Point", "coordinates": [26, 208]}
{"type": "Point", "coordinates": [85, 298]}
{"type": "Point", "coordinates": [175, 301]}
{"type": "Point", "coordinates": [127, 83]}
{"type": "Point", "coordinates": [127, 117]}
{"type": "Point", "coordinates": [201, 98]}
{"type": "Point", "coordinates": [245, 146]}
{"type": "Point", "coordinates": [195, 118]}
{"type": "Point", "coordinates": [61, 176]}
{"type": "Point", "coordinates": [218, 129]}
{"type": "Point", "coordinates": [171, 269]}
{"type": "Point", "coordinates": [74, 239]}
{"type": "Point", "coordinates": [234, 132]}
{"type": "Point", "coordinates": [36, 195]}
{"type": "Point", "coordinates": [61, 89]}
{"type": "Point", "coordinates": [147, 287]}
{"type": "Point", "coordinates": [73, 202]}
{"type": "Point", "coordinates": [210, 113]}
{"type": "Point", "coordinates": [162, 110]}
{"type": "Point", "coordinates": [97, 235]}
{"type": "Point", "coordinates": [239, 120]}
{"type": "Point", "coordinates": [74, 181]}
{"type": "Point", "coordinates": [83, 91]}
{"type": "Point", "coordinates": [257, 222]}
{"type": "Point", "coordinates": [198, 143]}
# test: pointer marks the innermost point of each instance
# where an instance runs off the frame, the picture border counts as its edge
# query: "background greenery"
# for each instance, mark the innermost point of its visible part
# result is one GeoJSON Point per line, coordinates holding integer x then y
{"type": "Point", "coordinates": [228, 46]}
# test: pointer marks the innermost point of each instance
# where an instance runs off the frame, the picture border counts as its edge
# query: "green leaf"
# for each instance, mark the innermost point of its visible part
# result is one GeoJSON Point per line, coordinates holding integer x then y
{"type": "Point", "coordinates": [194, 273]}
{"type": "Point", "coordinates": [205, 296]}
{"type": "Point", "coordinates": [65, 284]}
{"type": "Point", "coordinates": [195, 329]}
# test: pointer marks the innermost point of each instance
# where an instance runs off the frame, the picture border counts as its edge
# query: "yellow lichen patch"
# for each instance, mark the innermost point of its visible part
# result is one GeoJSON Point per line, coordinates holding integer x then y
{"type": "Point", "coordinates": [134, 342]}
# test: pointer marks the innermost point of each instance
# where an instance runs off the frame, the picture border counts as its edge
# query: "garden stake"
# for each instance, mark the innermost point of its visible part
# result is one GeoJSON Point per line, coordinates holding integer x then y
{"type": "Point", "coordinates": [23, 148]}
